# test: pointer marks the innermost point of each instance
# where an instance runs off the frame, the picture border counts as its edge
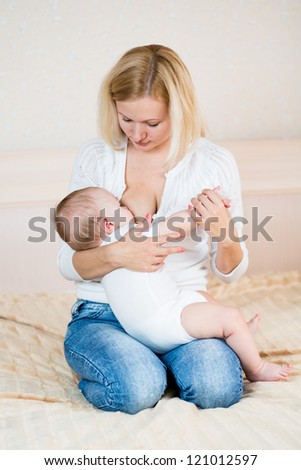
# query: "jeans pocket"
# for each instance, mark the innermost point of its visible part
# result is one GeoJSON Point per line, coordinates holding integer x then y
{"type": "Point", "coordinates": [85, 312]}
{"type": "Point", "coordinates": [85, 309]}
{"type": "Point", "coordinates": [75, 307]}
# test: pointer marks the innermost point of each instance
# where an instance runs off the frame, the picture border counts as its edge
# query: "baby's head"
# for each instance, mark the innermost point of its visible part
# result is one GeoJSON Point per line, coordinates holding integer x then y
{"type": "Point", "coordinates": [86, 216]}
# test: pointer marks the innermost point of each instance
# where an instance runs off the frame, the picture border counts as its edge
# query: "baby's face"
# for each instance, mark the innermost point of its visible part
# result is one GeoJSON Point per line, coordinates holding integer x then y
{"type": "Point", "coordinates": [119, 215]}
{"type": "Point", "coordinates": [110, 208]}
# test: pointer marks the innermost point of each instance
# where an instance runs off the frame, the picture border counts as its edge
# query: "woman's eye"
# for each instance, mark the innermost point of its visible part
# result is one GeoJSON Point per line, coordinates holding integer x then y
{"type": "Point", "coordinates": [154, 125]}
{"type": "Point", "coordinates": [126, 120]}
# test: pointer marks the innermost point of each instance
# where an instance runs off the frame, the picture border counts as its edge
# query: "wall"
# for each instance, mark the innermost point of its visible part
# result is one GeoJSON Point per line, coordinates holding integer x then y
{"type": "Point", "coordinates": [244, 57]}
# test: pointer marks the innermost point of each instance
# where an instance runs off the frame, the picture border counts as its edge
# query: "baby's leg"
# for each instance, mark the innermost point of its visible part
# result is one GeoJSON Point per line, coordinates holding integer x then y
{"type": "Point", "coordinates": [252, 324]}
{"type": "Point", "coordinates": [207, 320]}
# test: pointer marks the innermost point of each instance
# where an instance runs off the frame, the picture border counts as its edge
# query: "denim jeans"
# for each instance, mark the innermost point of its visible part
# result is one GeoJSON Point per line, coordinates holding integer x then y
{"type": "Point", "coordinates": [119, 373]}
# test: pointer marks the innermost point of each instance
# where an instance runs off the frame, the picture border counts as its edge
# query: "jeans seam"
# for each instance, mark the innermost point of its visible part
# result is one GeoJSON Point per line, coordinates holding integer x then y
{"type": "Point", "coordinates": [174, 367]}
{"type": "Point", "coordinates": [87, 361]}
{"type": "Point", "coordinates": [104, 382]}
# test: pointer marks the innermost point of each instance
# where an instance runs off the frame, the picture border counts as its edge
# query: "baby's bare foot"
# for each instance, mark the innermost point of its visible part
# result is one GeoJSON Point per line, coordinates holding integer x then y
{"type": "Point", "coordinates": [270, 372]}
{"type": "Point", "coordinates": [253, 323]}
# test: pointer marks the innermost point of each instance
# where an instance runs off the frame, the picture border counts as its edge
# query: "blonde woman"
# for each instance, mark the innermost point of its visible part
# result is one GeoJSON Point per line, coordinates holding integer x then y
{"type": "Point", "coordinates": [152, 155]}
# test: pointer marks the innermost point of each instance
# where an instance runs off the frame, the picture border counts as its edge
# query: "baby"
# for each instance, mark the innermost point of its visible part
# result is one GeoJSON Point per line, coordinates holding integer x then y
{"type": "Point", "coordinates": [150, 306]}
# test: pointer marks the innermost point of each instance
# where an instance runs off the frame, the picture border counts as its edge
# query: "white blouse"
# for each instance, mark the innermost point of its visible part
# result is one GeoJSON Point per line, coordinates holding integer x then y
{"type": "Point", "coordinates": [206, 165]}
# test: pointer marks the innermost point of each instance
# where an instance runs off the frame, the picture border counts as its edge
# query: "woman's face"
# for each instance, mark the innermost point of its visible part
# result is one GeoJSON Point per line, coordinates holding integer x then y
{"type": "Point", "coordinates": [145, 122]}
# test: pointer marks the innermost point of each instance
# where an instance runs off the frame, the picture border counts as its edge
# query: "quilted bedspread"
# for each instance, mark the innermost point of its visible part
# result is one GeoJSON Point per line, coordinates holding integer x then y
{"type": "Point", "coordinates": [41, 407]}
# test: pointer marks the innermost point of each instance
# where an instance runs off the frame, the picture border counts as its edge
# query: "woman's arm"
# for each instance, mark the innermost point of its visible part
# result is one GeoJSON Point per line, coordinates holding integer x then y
{"type": "Point", "coordinates": [217, 222]}
{"type": "Point", "coordinates": [229, 255]}
{"type": "Point", "coordinates": [133, 252]}
{"type": "Point", "coordinates": [94, 263]}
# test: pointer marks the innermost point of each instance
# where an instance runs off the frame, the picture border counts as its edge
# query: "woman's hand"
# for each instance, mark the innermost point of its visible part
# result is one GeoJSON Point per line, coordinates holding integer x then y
{"type": "Point", "coordinates": [210, 211]}
{"type": "Point", "coordinates": [137, 252]}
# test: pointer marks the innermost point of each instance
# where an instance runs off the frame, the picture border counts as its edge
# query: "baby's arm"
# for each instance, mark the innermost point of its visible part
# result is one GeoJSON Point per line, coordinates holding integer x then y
{"type": "Point", "coordinates": [181, 222]}
{"type": "Point", "coordinates": [178, 225]}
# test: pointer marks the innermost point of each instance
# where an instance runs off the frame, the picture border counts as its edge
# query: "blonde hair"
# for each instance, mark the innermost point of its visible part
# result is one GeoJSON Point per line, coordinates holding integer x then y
{"type": "Point", "coordinates": [76, 220]}
{"type": "Point", "coordinates": [158, 72]}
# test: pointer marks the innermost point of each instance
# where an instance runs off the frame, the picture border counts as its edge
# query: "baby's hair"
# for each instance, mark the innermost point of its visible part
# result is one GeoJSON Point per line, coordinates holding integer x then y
{"type": "Point", "coordinates": [76, 220]}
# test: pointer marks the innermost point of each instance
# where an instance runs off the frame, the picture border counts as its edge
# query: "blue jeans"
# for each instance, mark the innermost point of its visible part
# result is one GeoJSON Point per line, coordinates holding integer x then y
{"type": "Point", "coordinates": [120, 374]}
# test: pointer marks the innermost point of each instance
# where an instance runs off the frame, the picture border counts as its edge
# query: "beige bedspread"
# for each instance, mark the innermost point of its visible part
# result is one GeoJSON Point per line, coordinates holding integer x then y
{"type": "Point", "coordinates": [41, 407]}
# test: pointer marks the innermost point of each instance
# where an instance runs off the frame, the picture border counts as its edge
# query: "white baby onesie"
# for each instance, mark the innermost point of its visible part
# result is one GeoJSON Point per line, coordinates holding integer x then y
{"type": "Point", "coordinates": [149, 305]}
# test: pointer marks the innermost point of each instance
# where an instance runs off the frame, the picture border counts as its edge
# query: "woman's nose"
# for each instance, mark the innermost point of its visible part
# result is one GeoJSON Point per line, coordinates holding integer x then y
{"type": "Point", "coordinates": [138, 132]}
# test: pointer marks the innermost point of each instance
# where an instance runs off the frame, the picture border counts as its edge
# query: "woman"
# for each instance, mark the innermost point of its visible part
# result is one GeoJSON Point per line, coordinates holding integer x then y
{"type": "Point", "coordinates": [153, 158]}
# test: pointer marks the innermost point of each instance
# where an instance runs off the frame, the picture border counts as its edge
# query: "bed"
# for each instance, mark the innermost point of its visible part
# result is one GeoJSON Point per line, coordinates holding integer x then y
{"type": "Point", "coordinates": [42, 408]}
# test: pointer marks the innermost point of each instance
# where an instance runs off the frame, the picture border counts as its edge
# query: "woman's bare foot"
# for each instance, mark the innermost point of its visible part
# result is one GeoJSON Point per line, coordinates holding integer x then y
{"type": "Point", "coordinates": [253, 323]}
{"type": "Point", "coordinates": [269, 372]}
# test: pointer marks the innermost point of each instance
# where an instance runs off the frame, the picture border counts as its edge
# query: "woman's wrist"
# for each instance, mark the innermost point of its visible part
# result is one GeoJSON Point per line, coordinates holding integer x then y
{"type": "Point", "coordinates": [224, 242]}
{"type": "Point", "coordinates": [229, 256]}
{"type": "Point", "coordinates": [113, 255]}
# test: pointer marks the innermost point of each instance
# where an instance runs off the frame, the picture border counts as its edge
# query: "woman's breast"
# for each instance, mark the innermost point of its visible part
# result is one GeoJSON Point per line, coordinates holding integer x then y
{"type": "Point", "coordinates": [142, 198]}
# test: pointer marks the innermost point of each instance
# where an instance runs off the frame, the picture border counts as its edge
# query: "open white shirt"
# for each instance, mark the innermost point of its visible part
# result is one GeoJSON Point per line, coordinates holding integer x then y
{"type": "Point", "coordinates": [206, 165]}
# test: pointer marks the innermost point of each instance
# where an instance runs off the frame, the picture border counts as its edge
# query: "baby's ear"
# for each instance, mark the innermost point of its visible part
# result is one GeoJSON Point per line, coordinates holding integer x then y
{"type": "Point", "coordinates": [105, 227]}
{"type": "Point", "coordinates": [109, 226]}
